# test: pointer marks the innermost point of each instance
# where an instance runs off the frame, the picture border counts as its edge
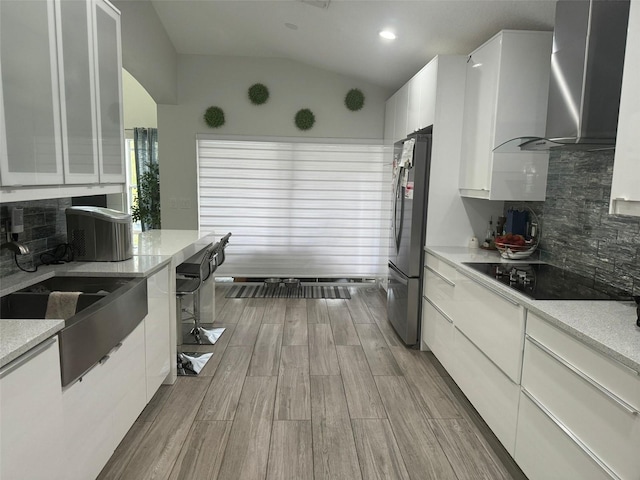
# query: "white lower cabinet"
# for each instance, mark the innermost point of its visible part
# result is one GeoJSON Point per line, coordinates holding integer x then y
{"type": "Point", "coordinates": [100, 409]}
{"type": "Point", "coordinates": [563, 378]}
{"type": "Point", "coordinates": [31, 415]}
{"type": "Point", "coordinates": [437, 333]}
{"type": "Point", "coordinates": [545, 451]}
{"type": "Point", "coordinates": [491, 392]}
{"type": "Point", "coordinates": [157, 330]}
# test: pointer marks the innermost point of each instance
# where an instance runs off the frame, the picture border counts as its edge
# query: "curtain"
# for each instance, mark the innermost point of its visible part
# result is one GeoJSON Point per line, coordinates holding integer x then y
{"type": "Point", "coordinates": [145, 142]}
{"type": "Point", "coordinates": [296, 208]}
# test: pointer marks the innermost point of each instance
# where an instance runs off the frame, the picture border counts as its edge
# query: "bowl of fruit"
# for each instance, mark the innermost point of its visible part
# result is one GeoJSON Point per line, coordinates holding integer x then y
{"type": "Point", "coordinates": [515, 247]}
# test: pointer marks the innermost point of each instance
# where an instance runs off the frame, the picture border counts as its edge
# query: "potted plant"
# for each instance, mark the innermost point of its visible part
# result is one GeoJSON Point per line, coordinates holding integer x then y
{"type": "Point", "coordinates": [146, 205]}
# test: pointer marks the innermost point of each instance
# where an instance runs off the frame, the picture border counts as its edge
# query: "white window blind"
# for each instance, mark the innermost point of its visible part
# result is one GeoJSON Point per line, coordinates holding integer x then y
{"type": "Point", "coordinates": [296, 209]}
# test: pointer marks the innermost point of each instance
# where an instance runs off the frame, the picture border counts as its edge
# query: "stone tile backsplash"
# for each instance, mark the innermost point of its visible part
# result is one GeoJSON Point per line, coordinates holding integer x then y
{"type": "Point", "coordinates": [578, 233]}
{"type": "Point", "coordinates": [45, 227]}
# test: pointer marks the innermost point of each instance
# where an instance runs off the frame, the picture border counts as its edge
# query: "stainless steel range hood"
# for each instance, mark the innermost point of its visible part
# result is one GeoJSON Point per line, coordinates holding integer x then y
{"type": "Point", "coordinates": [586, 77]}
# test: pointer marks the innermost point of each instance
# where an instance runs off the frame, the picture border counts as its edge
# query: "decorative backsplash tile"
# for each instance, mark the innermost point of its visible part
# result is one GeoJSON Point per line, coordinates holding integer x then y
{"type": "Point", "coordinates": [45, 227]}
{"type": "Point", "coordinates": [578, 233]}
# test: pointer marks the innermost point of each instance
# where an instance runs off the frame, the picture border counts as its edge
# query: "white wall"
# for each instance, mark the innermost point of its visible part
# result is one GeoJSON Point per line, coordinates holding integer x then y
{"type": "Point", "coordinates": [147, 51]}
{"type": "Point", "coordinates": [139, 109]}
{"type": "Point", "coordinates": [205, 81]}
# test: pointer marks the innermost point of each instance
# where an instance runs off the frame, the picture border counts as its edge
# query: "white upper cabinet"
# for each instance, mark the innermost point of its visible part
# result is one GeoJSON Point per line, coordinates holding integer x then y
{"type": "Point", "coordinates": [77, 92]}
{"type": "Point", "coordinates": [506, 97]}
{"type": "Point", "coordinates": [61, 121]}
{"type": "Point", "coordinates": [401, 116]}
{"type": "Point", "coordinates": [389, 120]}
{"type": "Point", "coordinates": [30, 139]}
{"type": "Point", "coordinates": [108, 52]}
{"type": "Point", "coordinates": [625, 190]}
{"type": "Point", "coordinates": [412, 108]}
{"type": "Point", "coordinates": [422, 98]}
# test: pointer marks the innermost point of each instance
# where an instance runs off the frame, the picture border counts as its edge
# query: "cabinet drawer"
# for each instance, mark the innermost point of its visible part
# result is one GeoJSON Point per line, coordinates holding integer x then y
{"type": "Point", "coordinates": [446, 272]}
{"type": "Point", "coordinates": [493, 322]}
{"type": "Point", "coordinates": [437, 333]}
{"type": "Point", "coordinates": [439, 284]}
{"type": "Point", "coordinates": [606, 427]}
{"type": "Point", "coordinates": [490, 391]}
{"type": "Point", "coordinates": [544, 451]}
{"type": "Point", "coordinates": [615, 377]}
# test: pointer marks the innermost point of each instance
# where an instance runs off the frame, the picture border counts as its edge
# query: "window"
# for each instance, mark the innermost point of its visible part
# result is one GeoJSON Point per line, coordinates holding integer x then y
{"type": "Point", "coordinates": [132, 181]}
{"type": "Point", "coordinates": [306, 210]}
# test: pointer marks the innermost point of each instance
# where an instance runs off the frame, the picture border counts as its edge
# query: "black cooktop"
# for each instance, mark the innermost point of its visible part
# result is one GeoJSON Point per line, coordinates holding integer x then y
{"type": "Point", "coordinates": [546, 282]}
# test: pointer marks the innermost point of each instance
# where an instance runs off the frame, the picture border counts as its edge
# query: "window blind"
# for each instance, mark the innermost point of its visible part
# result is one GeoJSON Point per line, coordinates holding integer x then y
{"type": "Point", "coordinates": [303, 210]}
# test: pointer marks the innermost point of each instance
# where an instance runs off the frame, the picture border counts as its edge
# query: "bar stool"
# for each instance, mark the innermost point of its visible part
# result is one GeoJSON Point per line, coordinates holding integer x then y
{"type": "Point", "coordinates": [190, 280]}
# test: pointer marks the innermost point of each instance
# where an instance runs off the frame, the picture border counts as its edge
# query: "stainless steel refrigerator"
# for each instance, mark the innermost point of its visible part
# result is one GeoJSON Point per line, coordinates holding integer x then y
{"type": "Point", "coordinates": [410, 184]}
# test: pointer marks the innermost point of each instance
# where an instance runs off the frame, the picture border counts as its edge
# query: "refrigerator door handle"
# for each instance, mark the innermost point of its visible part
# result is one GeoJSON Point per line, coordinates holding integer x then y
{"type": "Point", "coordinates": [393, 272]}
{"type": "Point", "coordinates": [397, 232]}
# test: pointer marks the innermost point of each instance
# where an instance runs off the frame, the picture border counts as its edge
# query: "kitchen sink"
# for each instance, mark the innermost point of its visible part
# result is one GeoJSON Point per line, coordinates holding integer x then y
{"type": "Point", "coordinates": [31, 302]}
{"type": "Point", "coordinates": [108, 309]}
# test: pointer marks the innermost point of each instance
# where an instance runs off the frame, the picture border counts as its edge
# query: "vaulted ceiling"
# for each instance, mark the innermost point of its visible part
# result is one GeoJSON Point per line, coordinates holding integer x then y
{"type": "Point", "coordinates": [343, 36]}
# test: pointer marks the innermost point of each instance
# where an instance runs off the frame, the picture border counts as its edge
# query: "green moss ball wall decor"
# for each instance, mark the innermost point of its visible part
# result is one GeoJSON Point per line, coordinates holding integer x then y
{"type": "Point", "coordinates": [214, 116]}
{"type": "Point", "coordinates": [354, 99]}
{"type": "Point", "coordinates": [258, 94]}
{"type": "Point", "coordinates": [305, 119]}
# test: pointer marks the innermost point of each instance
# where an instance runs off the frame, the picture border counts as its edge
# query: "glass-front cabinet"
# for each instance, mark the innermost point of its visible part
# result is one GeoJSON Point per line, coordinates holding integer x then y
{"type": "Point", "coordinates": [78, 92]}
{"type": "Point", "coordinates": [109, 79]}
{"type": "Point", "coordinates": [61, 93]}
{"type": "Point", "coordinates": [30, 136]}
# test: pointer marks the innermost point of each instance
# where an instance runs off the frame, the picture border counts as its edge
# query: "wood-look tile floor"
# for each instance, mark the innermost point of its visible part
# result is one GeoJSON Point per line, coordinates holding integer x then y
{"type": "Point", "coordinates": [310, 389]}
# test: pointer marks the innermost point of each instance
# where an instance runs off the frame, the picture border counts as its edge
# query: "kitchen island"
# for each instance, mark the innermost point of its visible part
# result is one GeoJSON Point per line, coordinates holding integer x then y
{"type": "Point", "coordinates": [79, 425]}
{"type": "Point", "coordinates": [152, 250]}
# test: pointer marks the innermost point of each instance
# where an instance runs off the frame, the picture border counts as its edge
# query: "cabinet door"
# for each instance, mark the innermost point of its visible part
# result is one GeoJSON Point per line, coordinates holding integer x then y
{"type": "Point", "coordinates": [31, 415]}
{"type": "Point", "coordinates": [158, 325]}
{"type": "Point", "coordinates": [30, 140]}
{"type": "Point", "coordinates": [625, 194]}
{"type": "Point", "coordinates": [479, 116]}
{"type": "Point", "coordinates": [77, 95]}
{"type": "Point", "coordinates": [389, 120]}
{"type": "Point", "coordinates": [108, 62]}
{"type": "Point", "coordinates": [402, 99]}
{"type": "Point", "coordinates": [428, 79]}
{"type": "Point", "coordinates": [413, 103]}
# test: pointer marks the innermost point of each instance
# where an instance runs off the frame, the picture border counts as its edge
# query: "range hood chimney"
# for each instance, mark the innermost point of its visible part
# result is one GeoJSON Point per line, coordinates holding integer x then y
{"type": "Point", "coordinates": [586, 76]}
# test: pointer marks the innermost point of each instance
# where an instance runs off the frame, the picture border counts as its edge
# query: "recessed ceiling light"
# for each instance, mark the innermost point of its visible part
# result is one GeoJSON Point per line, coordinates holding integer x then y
{"type": "Point", "coordinates": [292, 26]}
{"type": "Point", "coordinates": [387, 35]}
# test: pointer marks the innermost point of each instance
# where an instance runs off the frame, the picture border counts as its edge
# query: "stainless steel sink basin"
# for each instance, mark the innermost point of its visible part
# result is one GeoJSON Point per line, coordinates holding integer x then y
{"type": "Point", "coordinates": [108, 309]}
{"type": "Point", "coordinates": [31, 302]}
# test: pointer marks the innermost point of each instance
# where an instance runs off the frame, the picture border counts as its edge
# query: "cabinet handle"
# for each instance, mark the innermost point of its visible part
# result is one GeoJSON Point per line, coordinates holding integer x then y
{"type": "Point", "coordinates": [445, 279]}
{"type": "Point", "coordinates": [446, 317]}
{"type": "Point", "coordinates": [486, 356]}
{"type": "Point", "coordinates": [608, 393]}
{"type": "Point", "coordinates": [25, 357]}
{"type": "Point", "coordinates": [492, 289]}
{"type": "Point", "coordinates": [570, 434]}
{"type": "Point", "coordinates": [111, 352]}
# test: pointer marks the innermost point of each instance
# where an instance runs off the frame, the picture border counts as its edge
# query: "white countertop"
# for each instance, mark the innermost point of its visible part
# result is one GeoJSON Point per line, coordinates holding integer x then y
{"type": "Point", "coordinates": [19, 336]}
{"type": "Point", "coordinates": [607, 326]}
{"type": "Point", "coordinates": [152, 250]}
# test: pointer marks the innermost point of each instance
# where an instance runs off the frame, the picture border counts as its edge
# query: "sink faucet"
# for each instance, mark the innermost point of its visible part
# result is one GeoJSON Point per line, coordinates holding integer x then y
{"type": "Point", "coordinates": [16, 247]}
